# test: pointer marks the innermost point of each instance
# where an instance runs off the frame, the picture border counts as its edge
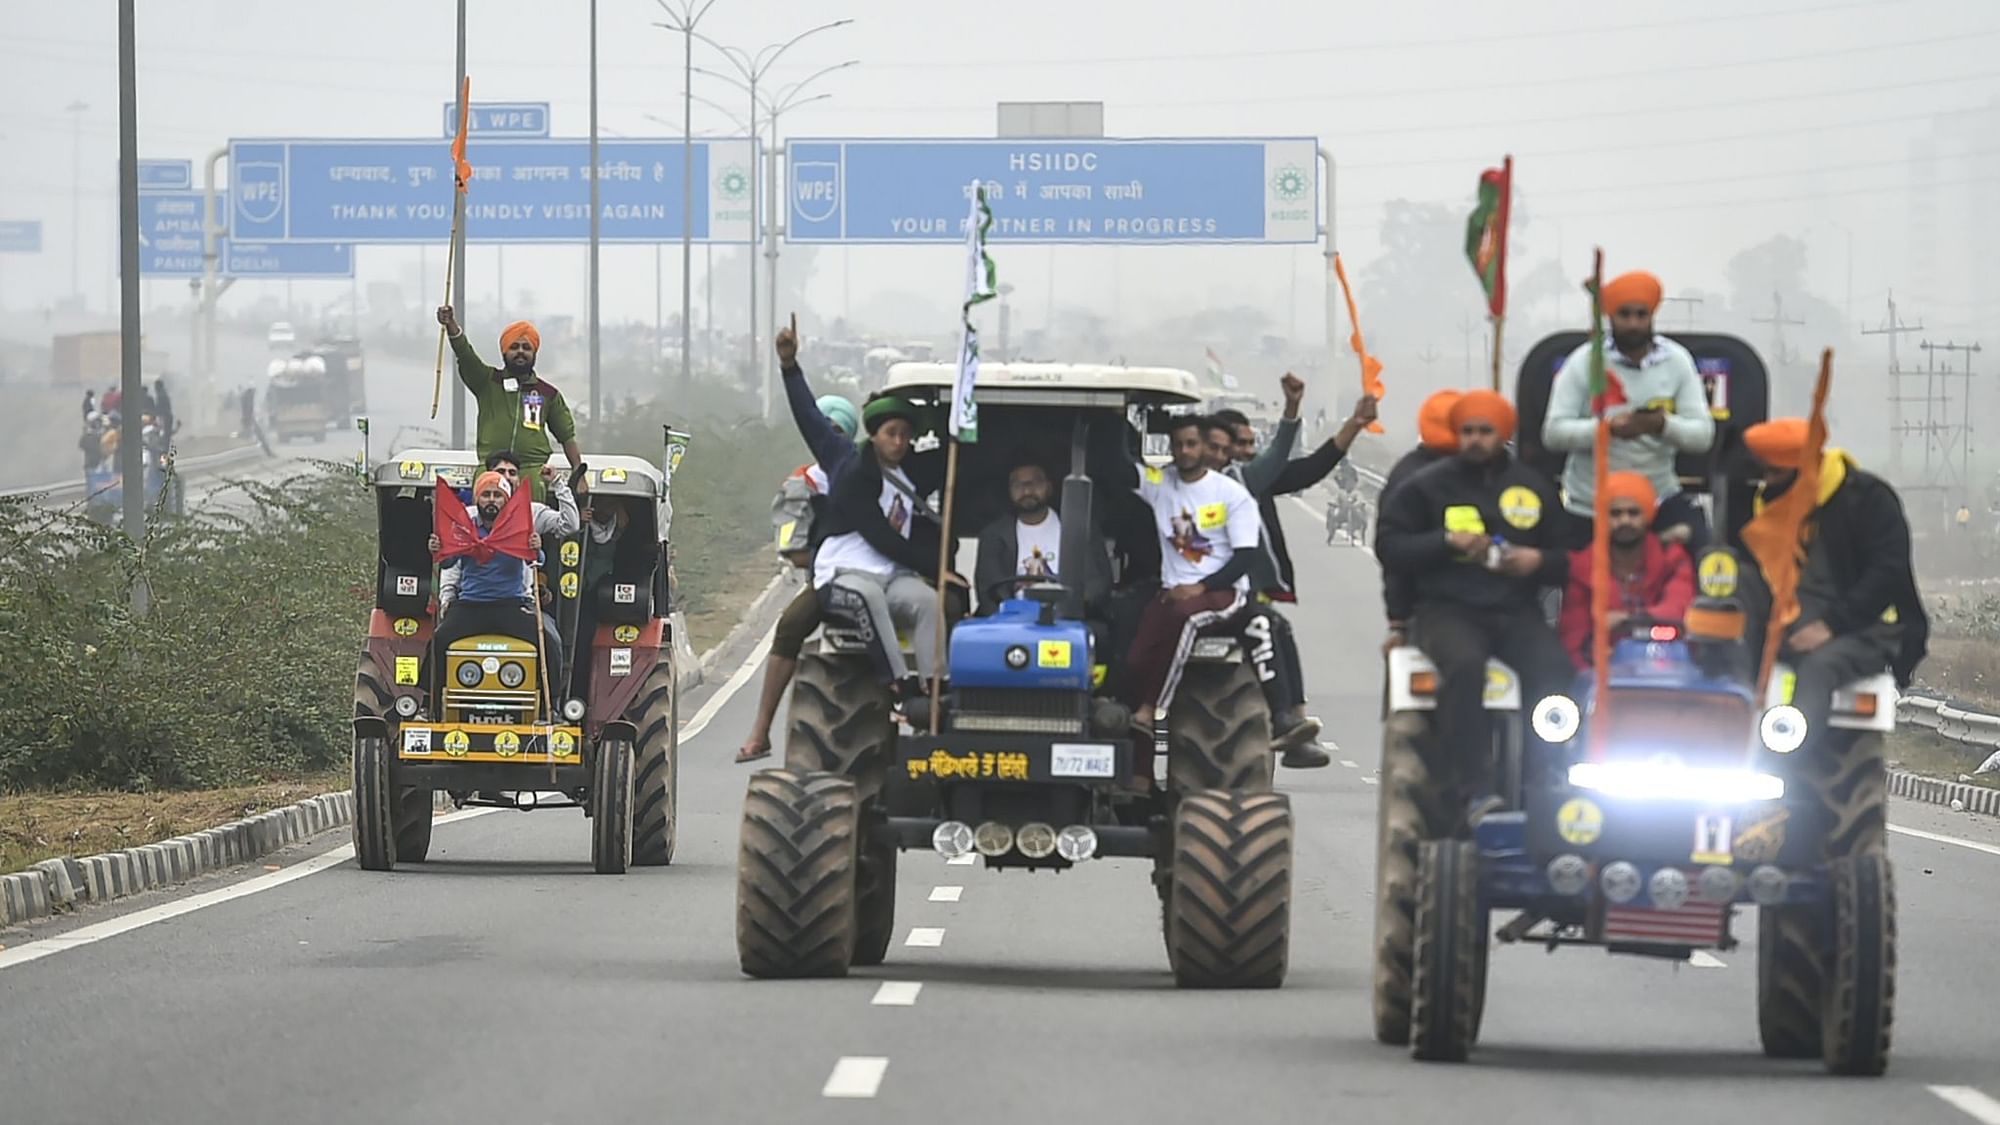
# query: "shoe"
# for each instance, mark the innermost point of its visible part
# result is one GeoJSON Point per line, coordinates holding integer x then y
{"type": "Point", "coordinates": [1307, 757]}
{"type": "Point", "coordinates": [1297, 732]}
{"type": "Point", "coordinates": [1479, 808]}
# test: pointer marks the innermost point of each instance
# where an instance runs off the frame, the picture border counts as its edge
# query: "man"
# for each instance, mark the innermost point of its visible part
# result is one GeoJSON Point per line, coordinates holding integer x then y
{"type": "Point", "coordinates": [1027, 540]}
{"type": "Point", "coordinates": [873, 568]}
{"type": "Point", "coordinates": [517, 409]}
{"type": "Point", "coordinates": [1651, 578]}
{"type": "Point", "coordinates": [1436, 440]}
{"type": "Point", "coordinates": [1334, 518]}
{"type": "Point", "coordinates": [1208, 524]}
{"type": "Point", "coordinates": [1658, 410]}
{"type": "Point", "coordinates": [1480, 534]}
{"type": "Point", "coordinates": [498, 596]}
{"type": "Point", "coordinates": [1858, 607]}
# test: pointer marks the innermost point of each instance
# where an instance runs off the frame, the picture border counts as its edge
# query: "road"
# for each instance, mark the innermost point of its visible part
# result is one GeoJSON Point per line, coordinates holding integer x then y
{"type": "Point", "coordinates": [503, 983]}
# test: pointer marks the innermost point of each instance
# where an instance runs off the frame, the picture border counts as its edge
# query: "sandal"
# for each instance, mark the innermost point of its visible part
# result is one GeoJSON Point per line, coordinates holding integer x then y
{"type": "Point", "coordinates": [747, 754]}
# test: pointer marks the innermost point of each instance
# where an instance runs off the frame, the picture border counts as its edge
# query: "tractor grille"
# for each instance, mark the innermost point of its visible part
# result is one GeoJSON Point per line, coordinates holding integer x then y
{"type": "Point", "coordinates": [1017, 710]}
{"type": "Point", "coordinates": [1699, 729]}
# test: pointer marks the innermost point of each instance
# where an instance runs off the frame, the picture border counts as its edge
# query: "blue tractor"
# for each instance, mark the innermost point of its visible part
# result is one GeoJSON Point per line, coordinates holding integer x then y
{"type": "Point", "coordinates": [1030, 764]}
{"type": "Point", "coordinates": [1649, 836]}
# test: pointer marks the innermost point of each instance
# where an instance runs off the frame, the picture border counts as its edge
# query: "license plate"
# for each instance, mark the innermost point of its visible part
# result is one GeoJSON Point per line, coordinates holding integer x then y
{"type": "Point", "coordinates": [1081, 759]}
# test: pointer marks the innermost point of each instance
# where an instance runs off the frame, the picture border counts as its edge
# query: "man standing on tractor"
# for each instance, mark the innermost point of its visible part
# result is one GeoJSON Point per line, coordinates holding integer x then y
{"type": "Point", "coordinates": [1480, 534]}
{"type": "Point", "coordinates": [1027, 540]}
{"type": "Point", "coordinates": [1436, 440]}
{"type": "Point", "coordinates": [517, 409]}
{"type": "Point", "coordinates": [1658, 410]}
{"type": "Point", "coordinates": [1859, 610]}
{"type": "Point", "coordinates": [1655, 579]}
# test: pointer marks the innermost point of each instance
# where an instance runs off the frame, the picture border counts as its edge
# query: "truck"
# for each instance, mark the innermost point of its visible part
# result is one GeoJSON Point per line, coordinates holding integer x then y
{"type": "Point", "coordinates": [95, 360]}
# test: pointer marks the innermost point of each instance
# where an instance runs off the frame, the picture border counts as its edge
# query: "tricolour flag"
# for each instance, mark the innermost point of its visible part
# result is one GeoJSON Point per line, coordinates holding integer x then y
{"type": "Point", "coordinates": [1217, 370]}
{"type": "Point", "coordinates": [1486, 234]}
{"type": "Point", "coordinates": [980, 286]}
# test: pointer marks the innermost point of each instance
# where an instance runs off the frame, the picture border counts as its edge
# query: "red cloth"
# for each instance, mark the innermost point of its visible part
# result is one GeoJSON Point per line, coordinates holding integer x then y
{"type": "Point", "coordinates": [459, 535]}
{"type": "Point", "coordinates": [1663, 588]}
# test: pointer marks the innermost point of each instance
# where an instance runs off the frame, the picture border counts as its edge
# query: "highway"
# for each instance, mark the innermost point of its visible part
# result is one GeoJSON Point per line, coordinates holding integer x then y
{"type": "Point", "coordinates": [503, 983]}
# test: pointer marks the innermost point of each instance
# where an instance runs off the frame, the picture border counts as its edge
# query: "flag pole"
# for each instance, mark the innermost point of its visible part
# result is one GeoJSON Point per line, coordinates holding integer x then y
{"type": "Point", "coordinates": [944, 568]}
{"type": "Point", "coordinates": [458, 172]}
{"type": "Point", "coordinates": [962, 424]}
{"type": "Point", "coordinates": [1600, 538]}
{"type": "Point", "coordinates": [1499, 327]}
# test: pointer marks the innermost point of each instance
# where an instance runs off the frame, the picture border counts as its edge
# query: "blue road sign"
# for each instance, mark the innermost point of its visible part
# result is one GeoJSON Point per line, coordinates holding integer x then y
{"type": "Point", "coordinates": [170, 233]}
{"type": "Point", "coordinates": [278, 260]}
{"type": "Point", "coordinates": [386, 191]}
{"type": "Point", "coordinates": [1104, 191]}
{"type": "Point", "coordinates": [20, 236]}
{"type": "Point", "coordinates": [166, 175]}
{"type": "Point", "coordinates": [501, 119]}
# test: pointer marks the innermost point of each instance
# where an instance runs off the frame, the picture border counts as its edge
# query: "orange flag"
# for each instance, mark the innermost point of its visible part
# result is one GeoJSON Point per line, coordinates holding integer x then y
{"type": "Point", "coordinates": [461, 168]}
{"type": "Point", "coordinates": [1776, 535]}
{"type": "Point", "coordinates": [1371, 368]}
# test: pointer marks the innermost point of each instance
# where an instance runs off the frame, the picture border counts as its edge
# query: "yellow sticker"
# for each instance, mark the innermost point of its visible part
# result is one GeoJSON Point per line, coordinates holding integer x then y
{"type": "Point", "coordinates": [1052, 654]}
{"type": "Point", "coordinates": [1208, 517]}
{"type": "Point", "coordinates": [785, 533]}
{"type": "Point", "coordinates": [1464, 517]}
{"type": "Point", "coordinates": [1498, 683]}
{"type": "Point", "coordinates": [1097, 672]}
{"type": "Point", "coordinates": [506, 744]}
{"type": "Point", "coordinates": [1580, 821]}
{"type": "Point", "coordinates": [572, 553]}
{"type": "Point", "coordinates": [562, 744]}
{"type": "Point", "coordinates": [570, 584]}
{"type": "Point", "coordinates": [1718, 574]}
{"type": "Point", "coordinates": [1520, 507]}
{"type": "Point", "coordinates": [1155, 475]}
{"type": "Point", "coordinates": [611, 476]}
{"type": "Point", "coordinates": [407, 668]}
{"type": "Point", "coordinates": [457, 743]}
{"type": "Point", "coordinates": [1761, 842]}
{"type": "Point", "coordinates": [625, 634]}
{"type": "Point", "coordinates": [406, 626]}
{"type": "Point", "coordinates": [1665, 405]}
{"type": "Point", "coordinates": [1787, 684]}
{"type": "Point", "coordinates": [1712, 839]}
{"type": "Point", "coordinates": [411, 470]}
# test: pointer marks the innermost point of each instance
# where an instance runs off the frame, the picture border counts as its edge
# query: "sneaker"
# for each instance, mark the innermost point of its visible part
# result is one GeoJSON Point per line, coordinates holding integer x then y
{"type": "Point", "coordinates": [1307, 757]}
{"type": "Point", "coordinates": [1479, 808]}
{"type": "Point", "coordinates": [1296, 732]}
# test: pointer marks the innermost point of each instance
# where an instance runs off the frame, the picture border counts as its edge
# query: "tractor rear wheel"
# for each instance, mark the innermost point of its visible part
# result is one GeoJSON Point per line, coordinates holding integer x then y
{"type": "Point", "coordinates": [1229, 906]}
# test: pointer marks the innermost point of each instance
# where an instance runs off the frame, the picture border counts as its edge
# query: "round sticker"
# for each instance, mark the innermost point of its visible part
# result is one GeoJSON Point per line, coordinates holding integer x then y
{"type": "Point", "coordinates": [1498, 684]}
{"type": "Point", "coordinates": [1718, 574]}
{"type": "Point", "coordinates": [1520, 507]}
{"type": "Point", "coordinates": [571, 552]}
{"type": "Point", "coordinates": [406, 626]}
{"type": "Point", "coordinates": [562, 744]}
{"type": "Point", "coordinates": [411, 470]}
{"type": "Point", "coordinates": [625, 634]}
{"type": "Point", "coordinates": [570, 584]}
{"type": "Point", "coordinates": [1579, 821]}
{"type": "Point", "coordinates": [456, 743]}
{"type": "Point", "coordinates": [506, 744]}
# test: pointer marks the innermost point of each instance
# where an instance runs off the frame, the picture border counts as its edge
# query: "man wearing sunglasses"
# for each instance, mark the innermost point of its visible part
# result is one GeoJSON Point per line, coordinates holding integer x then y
{"type": "Point", "coordinates": [1658, 410]}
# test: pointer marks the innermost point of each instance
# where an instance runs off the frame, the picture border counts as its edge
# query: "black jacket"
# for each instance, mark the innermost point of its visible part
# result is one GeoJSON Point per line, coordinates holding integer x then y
{"type": "Point", "coordinates": [1412, 532]}
{"type": "Point", "coordinates": [1867, 539]}
{"type": "Point", "coordinates": [999, 559]}
{"type": "Point", "coordinates": [1299, 474]}
{"type": "Point", "coordinates": [857, 507]}
{"type": "Point", "coordinates": [1399, 589]}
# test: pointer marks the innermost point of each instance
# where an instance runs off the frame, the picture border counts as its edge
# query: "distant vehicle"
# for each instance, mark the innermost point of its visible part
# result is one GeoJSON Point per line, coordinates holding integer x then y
{"type": "Point", "coordinates": [281, 334]}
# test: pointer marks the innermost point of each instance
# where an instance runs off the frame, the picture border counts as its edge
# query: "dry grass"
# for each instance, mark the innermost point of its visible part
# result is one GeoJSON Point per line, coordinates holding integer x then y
{"type": "Point", "coordinates": [1965, 669]}
{"type": "Point", "coordinates": [39, 826]}
{"type": "Point", "coordinates": [713, 618]}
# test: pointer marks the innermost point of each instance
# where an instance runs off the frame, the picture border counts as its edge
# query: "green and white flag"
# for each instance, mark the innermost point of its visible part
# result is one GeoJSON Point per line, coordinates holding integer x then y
{"type": "Point", "coordinates": [979, 288]}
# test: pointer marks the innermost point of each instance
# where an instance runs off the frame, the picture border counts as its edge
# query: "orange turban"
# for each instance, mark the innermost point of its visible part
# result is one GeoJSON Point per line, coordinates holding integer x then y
{"type": "Point", "coordinates": [1635, 288]}
{"type": "Point", "coordinates": [1779, 443]}
{"type": "Point", "coordinates": [1634, 487]}
{"type": "Point", "coordinates": [520, 329]}
{"type": "Point", "coordinates": [489, 477]}
{"type": "Point", "coordinates": [1486, 406]}
{"type": "Point", "coordinates": [1434, 429]}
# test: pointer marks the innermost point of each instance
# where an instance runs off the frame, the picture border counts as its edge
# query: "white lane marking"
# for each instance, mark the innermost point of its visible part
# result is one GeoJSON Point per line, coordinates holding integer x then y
{"type": "Point", "coordinates": [925, 937]}
{"type": "Point", "coordinates": [1702, 959]}
{"type": "Point", "coordinates": [1371, 780]}
{"type": "Point", "coordinates": [1329, 744]}
{"type": "Point", "coordinates": [855, 1076]}
{"type": "Point", "coordinates": [897, 993]}
{"type": "Point", "coordinates": [966, 860]}
{"type": "Point", "coordinates": [735, 684]}
{"type": "Point", "coordinates": [125, 923]}
{"type": "Point", "coordinates": [946, 894]}
{"type": "Point", "coordinates": [1969, 1101]}
{"type": "Point", "coordinates": [1349, 764]}
{"type": "Point", "coordinates": [1935, 838]}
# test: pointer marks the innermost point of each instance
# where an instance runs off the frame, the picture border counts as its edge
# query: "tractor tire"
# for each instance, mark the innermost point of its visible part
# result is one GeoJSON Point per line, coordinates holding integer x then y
{"type": "Point", "coordinates": [374, 806]}
{"type": "Point", "coordinates": [1445, 1001]}
{"type": "Point", "coordinates": [838, 721]}
{"type": "Point", "coordinates": [1229, 908]}
{"type": "Point", "coordinates": [1411, 808]}
{"type": "Point", "coordinates": [796, 887]}
{"type": "Point", "coordinates": [413, 815]}
{"type": "Point", "coordinates": [1861, 967]}
{"type": "Point", "coordinates": [656, 772]}
{"type": "Point", "coordinates": [1790, 980]}
{"type": "Point", "coordinates": [1849, 778]}
{"type": "Point", "coordinates": [611, 807]}
{"type": "Point", "coordinates": [1219, 731]}
{"type": "Point", "coordinates": [875, 902]}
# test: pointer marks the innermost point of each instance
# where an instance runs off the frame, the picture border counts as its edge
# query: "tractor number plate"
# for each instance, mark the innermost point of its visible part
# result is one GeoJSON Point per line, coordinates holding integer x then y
{"type": "Point", "coordinates": [1082, 759]}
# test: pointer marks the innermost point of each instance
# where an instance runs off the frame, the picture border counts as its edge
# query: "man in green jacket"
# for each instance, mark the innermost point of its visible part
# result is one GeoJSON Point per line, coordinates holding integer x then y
{"type": "Point", "coordinates": [517, 410]}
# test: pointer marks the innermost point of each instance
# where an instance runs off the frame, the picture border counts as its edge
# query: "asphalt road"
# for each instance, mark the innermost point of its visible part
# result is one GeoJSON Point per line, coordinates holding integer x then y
{"type": "Point", "coordinates": [504, 983]}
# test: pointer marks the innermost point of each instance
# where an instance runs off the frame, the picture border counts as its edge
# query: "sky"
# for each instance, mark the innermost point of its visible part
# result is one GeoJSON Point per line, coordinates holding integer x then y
{"type": "Point", "coordinates": [1672, 135]}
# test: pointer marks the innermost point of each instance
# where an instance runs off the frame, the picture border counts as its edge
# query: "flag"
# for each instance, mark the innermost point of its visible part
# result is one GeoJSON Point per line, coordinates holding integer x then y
{"type": "Point", "coordinates": [980, 287]}
{"type": "Point", "coordinates": [1486, 234]}
{"type": "Point", "coordinates": [1776, 535]}
{"type": "Point", "coordinates": [1217, 371]}
{"type": "Point", "coordinates": [461, 168]}
{"type": "Point", "coordinates": [1371, 368]}
{"type": "Point", "coordinates": [1600, 538]}
{"type": "Point", "coordinates": [459, 536]}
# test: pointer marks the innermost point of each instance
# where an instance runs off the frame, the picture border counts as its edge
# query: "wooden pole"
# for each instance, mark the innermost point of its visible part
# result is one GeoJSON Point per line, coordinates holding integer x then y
{"type": "Point", "coordinates": [437, 377]}
{"type": "Point", "coordinates": [1499, 328]}
{"type": "Point", "coordinates": [944, 568]}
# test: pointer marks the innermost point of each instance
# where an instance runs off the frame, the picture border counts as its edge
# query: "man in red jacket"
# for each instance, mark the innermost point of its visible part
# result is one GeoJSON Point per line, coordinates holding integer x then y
{"type": "Point", "coordinates": [1654, 579]}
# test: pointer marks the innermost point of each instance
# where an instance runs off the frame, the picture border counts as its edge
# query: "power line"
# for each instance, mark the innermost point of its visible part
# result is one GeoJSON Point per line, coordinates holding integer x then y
{"type": "Point", "coordinates": [1894, 327]}
{"type": "Point", "coordinates": [1777, 320]}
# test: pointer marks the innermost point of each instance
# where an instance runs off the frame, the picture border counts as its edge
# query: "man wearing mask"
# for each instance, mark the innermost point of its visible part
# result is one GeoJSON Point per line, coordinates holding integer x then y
{"type": "Point", "coordinates": [1480, 535]}
{"type": "Point", "coordinates": [1658, 410]}
{"type": "Point", "coordinates": [517, 409]}
{"type": "Point", "coordinates": [1027, 540]}
{"type": "Point", "coordinates": [1650, 578]}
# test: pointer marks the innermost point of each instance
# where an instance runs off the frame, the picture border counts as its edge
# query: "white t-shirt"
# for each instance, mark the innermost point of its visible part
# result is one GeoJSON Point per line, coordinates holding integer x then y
{"type": "Point", "coordinates": [849, 551]}
{"type": "Point", "coordinates": [1040, 544]}
{"type": "Point", "coordinates": [1202, 524]}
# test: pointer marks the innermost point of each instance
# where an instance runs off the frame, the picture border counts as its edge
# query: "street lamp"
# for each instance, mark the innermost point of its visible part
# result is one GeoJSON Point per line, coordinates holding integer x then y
{"type": "Point", "coordinates": [708, 250]}
{"type": "Point", "coordinates": [684, 19]}
{"type": "Point", "coordinates": [76, 110]}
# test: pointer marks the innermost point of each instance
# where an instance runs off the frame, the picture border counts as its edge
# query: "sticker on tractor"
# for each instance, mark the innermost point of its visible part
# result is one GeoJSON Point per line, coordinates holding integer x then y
{"type": "Point", "coordinates": [624, 593]}
{"type": "Point", "coordinates": [416, 742]}
{"type": "Point", "coordinates": [406, 585]}
{"type": "Point", "coordinates": [611, 476]}
{"type": "Point", "coordinates": [625, 634]}
{"type": "Point", "coordinates": [411, 470]}
{"type": "Point", "coordinates": [1718, 574]}
{"type": "Point", "coordinates": [407, 669]}
{"type": "Point", "coordinates": [1580, 821]}
{"type": "Point", "coordinates": [569, 584]}
{"type": "Point", "coordinates": [457, 743]}
{"type": "Point", "coordinates": [1052, 654]}
{"type": "Point", "coordinates": [943, 764]}
{"type": "Point", "coordinates": [406, 626]}
{"type": "Point", "coordinates": [1762, 841]}
{"type": "Point", "coordinates": [1712, 839]}
{"type": "Point", "coordinates": [1499, 682]}
{"type": "Point", "coordinates": [1520, 507]}
{"type": "Point", "coordinates": [1097, 673]}
{"type": "Point", "coordinates": [562, 744]}
{"type": "Point", "coordinates": [506, 744]}
{"type": "Point", "coordinates": [572, 552]}
{"type": "Point", "coordinates": [621, 661]}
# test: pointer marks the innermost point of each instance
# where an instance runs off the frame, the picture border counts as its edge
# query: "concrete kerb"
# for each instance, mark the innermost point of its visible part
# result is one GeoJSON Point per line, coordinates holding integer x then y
{"type": "Point", "coordinates": [57, 885]}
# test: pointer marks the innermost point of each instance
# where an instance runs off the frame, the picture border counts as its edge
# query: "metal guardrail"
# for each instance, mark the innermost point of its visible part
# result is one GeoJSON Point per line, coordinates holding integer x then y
{"type": "Point", "coordinates": [186, 466]}
{"type": "Point", "coordinates": [1969, 728]}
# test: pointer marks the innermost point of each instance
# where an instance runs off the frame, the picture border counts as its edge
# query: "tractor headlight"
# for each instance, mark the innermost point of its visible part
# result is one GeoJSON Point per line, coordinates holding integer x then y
{"type": "Point", "coordinates": [469, 674]}
{"type": "Point", "coordinates": [1556, 719]}
{"type": "Point", "coordinates": [406, 706]}
{"type": "Point", "coordinates": [1783, 729]}
{"type": "Point", "coordinates": [573, 710]}
{"type": "Point", "coordinates": [511, 674]}
{"type": "Point", "coordinates": [1653, 781]}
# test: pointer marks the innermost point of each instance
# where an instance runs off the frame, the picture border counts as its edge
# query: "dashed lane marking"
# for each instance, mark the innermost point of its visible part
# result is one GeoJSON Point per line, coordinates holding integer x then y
{"type": "Point", "coordinates": [946, 894]}
{"type": "Point", "coordinates": [855, 1076]}
{"type": "Point", "coordinates": [966, 860]}
{"type": "Point", "coordinates": [1366, 780]}
{"type": "Point", "coordinates": [1969, 1101]}
{"type": "Point", "coordinates": [897, 994]}
{"type": "Point", "coordinates": [1349, 764]}
{"type": "Point", "coordinates": [925, 937]}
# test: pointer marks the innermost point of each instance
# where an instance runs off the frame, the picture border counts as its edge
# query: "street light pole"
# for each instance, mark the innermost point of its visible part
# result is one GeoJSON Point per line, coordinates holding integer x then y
{"type": "Point", "coordinates": [458, 261]}
{"type": "Point", "coordinates": [596, 417]}
{"type": "Point", "coordinates": [685, 21]}
{"type": "Point", "coordinates": [76, 111]}
{"type": "Point", "coordinates": [131, 436]}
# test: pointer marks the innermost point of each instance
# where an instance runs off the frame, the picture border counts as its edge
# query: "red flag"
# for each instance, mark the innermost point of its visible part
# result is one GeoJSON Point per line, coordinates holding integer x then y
{"type": "Point", "coordinates": [1486, 234]}
{"type": "Point", "coordinates": [461, 169]}
{"type": "Point", "coordinates": [459, 536]}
